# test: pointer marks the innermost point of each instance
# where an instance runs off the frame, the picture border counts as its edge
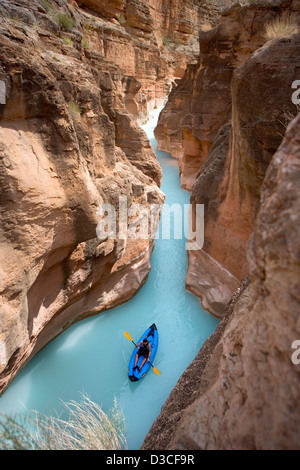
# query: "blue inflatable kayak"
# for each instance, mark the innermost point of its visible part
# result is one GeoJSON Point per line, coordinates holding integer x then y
{"type": "Point", "coordinates": [152, 336]}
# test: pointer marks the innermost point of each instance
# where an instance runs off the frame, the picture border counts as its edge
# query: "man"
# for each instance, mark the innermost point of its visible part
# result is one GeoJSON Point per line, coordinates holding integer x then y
{"type": "Point", "coordinates": [144, 349]}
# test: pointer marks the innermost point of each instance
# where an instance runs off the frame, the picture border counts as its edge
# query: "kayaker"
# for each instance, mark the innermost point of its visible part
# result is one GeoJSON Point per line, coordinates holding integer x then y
{"type": "Point", "coordinates": [144, 349]}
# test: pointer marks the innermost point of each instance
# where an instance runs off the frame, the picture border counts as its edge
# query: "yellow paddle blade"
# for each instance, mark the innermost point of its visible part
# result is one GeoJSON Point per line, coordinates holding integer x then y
{"type": "Point", "coordinates": [156, 371]}
{"type": "Point", "coordinates": [127, 336]}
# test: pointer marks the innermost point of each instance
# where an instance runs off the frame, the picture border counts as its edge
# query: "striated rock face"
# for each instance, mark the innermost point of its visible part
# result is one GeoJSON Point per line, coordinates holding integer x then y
{"type": "Point", "coordinates": [201, 103]}
{"type": "Point", "coordinates": [207, 277]}
{"type": "Point", "coordinates": [242, 391]}
{"type": "Point", "coordinates": [230, 180]}
{"type": "Point", "coordinates": [151, 40]}
{"type": "Point", "coordinates": [230, 125]}
{"type": "Point", "coordinates": [67, 145]}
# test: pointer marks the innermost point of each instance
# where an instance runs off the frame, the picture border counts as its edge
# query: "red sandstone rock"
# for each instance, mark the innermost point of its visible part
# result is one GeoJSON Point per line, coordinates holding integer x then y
{"type": "Point", "coordinates": [150, 40]}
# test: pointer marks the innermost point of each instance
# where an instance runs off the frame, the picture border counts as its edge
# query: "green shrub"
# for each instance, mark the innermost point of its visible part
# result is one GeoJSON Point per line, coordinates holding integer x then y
{"type": "Point", "coordinates": [46, 5]}
{"type": "Point", "coordinates": [74, 110]}
{"type": "Point", "coordinates": [64, 21]}
{"type": "Point", "coordinates": [67, 41]}
{"type": "Point", "coordinates": [166, 41]}
{"type": "Point", "coordinates": [85, 43]}
{"type": "Point", "coordinates": [121, 18]}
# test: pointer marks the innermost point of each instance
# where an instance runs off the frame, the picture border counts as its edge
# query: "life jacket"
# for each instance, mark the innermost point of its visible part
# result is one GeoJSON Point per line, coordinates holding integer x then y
{"type": "Point", "coordinates": [144, 350]}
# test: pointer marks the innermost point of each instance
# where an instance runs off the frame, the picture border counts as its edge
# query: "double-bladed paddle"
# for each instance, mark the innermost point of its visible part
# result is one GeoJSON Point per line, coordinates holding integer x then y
{"type": "Point", "coordinates": [130, 339]}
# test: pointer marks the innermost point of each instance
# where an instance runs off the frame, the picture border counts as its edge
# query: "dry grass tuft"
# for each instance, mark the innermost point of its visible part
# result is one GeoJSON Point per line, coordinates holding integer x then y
{"type": "Point", "coordinates": [281, 28]}
{"type": "Point", "coordinates": [206, 27]}
{"type": "Point", "coordinates": [87, 428]}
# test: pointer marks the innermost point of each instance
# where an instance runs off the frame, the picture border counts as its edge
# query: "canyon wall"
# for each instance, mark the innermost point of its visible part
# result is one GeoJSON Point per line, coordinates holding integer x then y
{"type": "Point", "coordinates": [223, 122]}
{"type": "Point", "coordinates": [242, 390]}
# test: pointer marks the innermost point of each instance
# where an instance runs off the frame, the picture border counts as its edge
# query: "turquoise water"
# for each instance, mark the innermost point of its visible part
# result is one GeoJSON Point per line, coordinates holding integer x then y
{"type": "Point", "coordinates": [92, 356]}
